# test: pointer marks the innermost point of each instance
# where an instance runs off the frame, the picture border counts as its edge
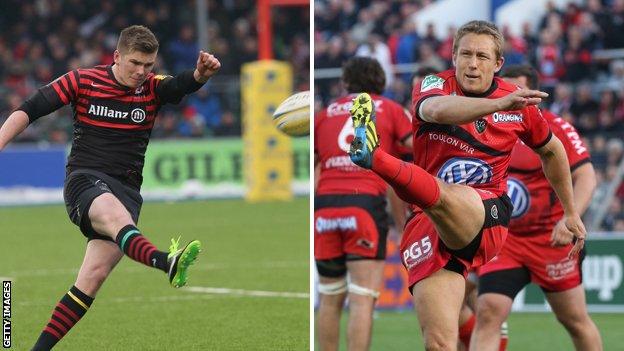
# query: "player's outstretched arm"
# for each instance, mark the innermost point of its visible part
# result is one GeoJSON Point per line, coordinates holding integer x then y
{"type": "Point", "coordinates": [173, 89]}
{"type": "Point", "coordinates": [44, 101]}
{"type": "Point", "coordinates": [12, 127]}
{"type": "Point", "coordinates": [557, 170]}
{"type": "Point", "coordinates": [461, 109]}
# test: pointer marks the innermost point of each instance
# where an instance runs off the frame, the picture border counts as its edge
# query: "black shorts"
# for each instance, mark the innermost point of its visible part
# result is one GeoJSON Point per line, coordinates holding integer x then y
{"type": "Point", "coordinates": [82, 186]}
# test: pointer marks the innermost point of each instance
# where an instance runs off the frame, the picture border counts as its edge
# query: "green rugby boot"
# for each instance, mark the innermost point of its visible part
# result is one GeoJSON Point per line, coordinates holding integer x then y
{"type": "Point", "coordinates": [180, 259]}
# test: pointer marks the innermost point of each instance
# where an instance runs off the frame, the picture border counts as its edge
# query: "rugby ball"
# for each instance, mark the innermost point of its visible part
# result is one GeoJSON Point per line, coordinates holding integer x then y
{"type": "Point", "coordinates": [293, 115]}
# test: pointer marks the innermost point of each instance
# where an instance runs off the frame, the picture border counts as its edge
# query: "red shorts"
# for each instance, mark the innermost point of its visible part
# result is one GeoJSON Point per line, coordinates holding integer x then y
{"type": "Point", "coordinates": [423, 253]}
{"type": "Point", "coordinates": [549, 267]}
{"type": "Point", "coordinates": [350, 225]}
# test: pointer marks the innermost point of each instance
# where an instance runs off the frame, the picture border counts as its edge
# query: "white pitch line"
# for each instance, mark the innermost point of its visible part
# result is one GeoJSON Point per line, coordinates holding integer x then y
{"type": "Point", "coordinates": [158, 298]}
{"type": "Point", "coordinates": [7, 278]}
{"type": "Point", "coordinates": [242, 292]}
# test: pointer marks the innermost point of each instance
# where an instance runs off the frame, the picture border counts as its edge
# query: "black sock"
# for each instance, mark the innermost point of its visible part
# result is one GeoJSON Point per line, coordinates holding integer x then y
{"type": "Point", "coordinates": [65, 315]}
{"type": "Point", "coordinates": [138, 248]}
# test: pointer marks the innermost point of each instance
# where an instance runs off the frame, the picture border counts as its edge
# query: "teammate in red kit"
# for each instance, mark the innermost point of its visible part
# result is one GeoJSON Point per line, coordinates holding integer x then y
{"type": "Point", "coordinates": [533, 252]}
{"type": "Point", "coordinates": [465, 126]}
{"type": "Point", "coordinates": [350, 219]}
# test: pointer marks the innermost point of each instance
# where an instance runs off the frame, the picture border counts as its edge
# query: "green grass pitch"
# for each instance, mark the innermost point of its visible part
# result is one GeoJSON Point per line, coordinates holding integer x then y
{"type": "Point", "coordinates": [399, 331]}
{"type": "Point", "coordinates": [246, 248]}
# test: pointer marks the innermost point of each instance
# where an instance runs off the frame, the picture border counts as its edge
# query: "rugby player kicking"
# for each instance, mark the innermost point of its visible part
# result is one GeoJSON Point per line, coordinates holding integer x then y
{"type": "Point", "coordinates": [465, 126]}
{"type": "Point", "coordinates": [114, 109]}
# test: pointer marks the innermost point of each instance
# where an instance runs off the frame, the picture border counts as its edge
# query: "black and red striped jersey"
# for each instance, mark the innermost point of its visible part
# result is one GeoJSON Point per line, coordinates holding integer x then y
{"type": "Point", "coordinates": [112, 122]}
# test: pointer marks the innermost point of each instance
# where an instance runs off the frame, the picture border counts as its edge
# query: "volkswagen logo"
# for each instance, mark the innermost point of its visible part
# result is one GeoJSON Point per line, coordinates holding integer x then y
{"type": "Point", "coordinates": [519, 196]}
{"type": "Point", "coordinates": [467, 171]}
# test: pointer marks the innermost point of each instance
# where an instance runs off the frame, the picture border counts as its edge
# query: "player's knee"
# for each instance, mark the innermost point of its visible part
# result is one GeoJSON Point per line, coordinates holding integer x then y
{"type": "Point", "coordinates": [489, 313]}
{"type": "Point", "coordinates": [357, 291]}
{"type": "Point", "coordinates": [117, 215]}
{"type": "Point", "coordinates": [107, 209]}
{"type": "Point", "coordinates": [113, 218]}
{"type": "Point", "coordinates": [362, 300]}
{"type": "Point", "coordinates": [333, 294]}
{"type": "Point", "coordinates": [440, 341]}
{"type": "Point", "coordinates": [575, 324]}
{"type": "Point", "coordinates": [337, 287]}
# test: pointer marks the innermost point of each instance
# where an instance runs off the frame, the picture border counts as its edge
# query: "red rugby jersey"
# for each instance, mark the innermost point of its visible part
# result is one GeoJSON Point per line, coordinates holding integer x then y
{"type": "Point", "coordinates": [536, 206]}
{"type": "Point", "coordinates": [477, 153]}
{"type": "Point", "coordinates": [333, 133]}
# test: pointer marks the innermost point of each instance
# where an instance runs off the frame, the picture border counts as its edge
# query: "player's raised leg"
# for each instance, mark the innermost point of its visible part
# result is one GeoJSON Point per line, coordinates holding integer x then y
{"type": "Point", "coordinates": [571, 311]}
{"type": "Point", "coordinates": [109, 217]}
{"type": "Point", "coordinates": [365, 278]}
{"type": "Point", "coordinates": [437, 312]}
{"type": "Point", "coordinates": [456, 210]}
{"type": "Point", "coordinates": [99, 260]}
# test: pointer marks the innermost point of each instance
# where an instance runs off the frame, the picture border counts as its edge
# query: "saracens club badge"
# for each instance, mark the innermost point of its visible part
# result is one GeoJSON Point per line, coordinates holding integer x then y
{"type": "Point", "coordinates": [480, 125]}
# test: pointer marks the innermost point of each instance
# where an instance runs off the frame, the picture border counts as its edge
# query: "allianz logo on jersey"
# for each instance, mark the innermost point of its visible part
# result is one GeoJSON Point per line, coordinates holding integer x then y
{"type": "Point", "coordinates": [338, 223]}
{"type": "Point", "coordinates": [469, 171]}
{"type": "Point", "coordinates": [137, 115]}
{"type": "Point", "coordinates": [520, 197]}
{"type": "Point", "coordinates": [500, 117]}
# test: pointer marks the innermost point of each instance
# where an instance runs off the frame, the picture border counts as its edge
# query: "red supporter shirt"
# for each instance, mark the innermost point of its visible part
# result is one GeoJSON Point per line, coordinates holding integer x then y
{"type": "Point", "coordinates": [333, 133]}
{"type": "Point", "coordinates": [536, 206]}
{"type": "Point", "coordinates": [477, 153]}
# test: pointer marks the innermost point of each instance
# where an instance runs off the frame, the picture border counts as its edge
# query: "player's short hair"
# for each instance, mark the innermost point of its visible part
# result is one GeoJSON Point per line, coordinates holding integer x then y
{"type": "Point", "coordinates": [363, 74]}
{"type": "Point", "coordinates": [480, 27]}
{"type": "Point", "coordinates": [137, 38]}
{"type": "Point", "coordinates": [516, 71]}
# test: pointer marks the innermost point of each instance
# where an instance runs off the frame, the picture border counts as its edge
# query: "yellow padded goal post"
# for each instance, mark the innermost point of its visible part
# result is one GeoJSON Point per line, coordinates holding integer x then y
{"type": "Point", "coordinates": [267, 153]}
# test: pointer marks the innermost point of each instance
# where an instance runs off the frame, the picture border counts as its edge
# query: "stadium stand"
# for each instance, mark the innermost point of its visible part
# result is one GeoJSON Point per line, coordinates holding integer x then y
{"type": "Point", "coordinates": [575, 49]}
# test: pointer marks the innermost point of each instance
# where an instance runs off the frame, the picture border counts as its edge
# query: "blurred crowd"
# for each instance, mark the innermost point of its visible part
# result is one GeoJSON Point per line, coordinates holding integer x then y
{"type": "Point", "coordinates": [567, 48]}
{"type": "Point", "coordinates": [41, 40]}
